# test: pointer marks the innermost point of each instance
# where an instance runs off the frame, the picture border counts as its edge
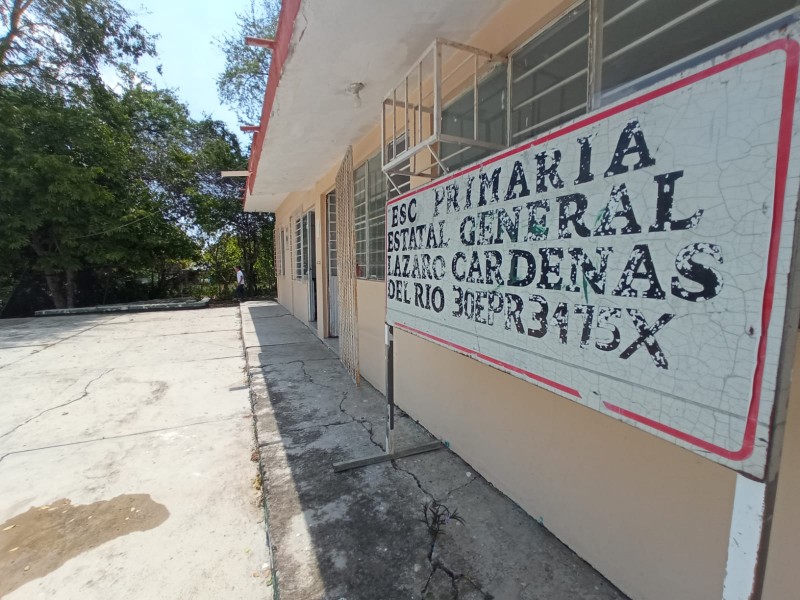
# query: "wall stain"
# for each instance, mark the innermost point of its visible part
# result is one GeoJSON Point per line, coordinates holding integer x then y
{"type": "Point", "coordinates": [37, 542]}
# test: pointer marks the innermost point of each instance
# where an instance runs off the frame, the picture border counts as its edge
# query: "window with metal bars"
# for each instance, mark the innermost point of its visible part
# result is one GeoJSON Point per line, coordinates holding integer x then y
{"type": "Point", "coordinates": [370, 192]}
{"type": "Point", "coordinates": [399, 183]}
{"type": "Point", "coordinates": [573, 66]}
{"type": "Point", "coordinates": [299, 272]}
{"type": "Point", "coordinates": [305, 244]}
{"type": "Point", "coordinates": [284, 233]}
{"type": "Point", "coordinates": [458, 119]}
{"type": "Point", "coordinates": [360, 217]}
{"type": "Point", "coordinates": [277, 238]}
{"type": "Point", "coordinates": [549, 76]}
{"type": "Point", "coordinates": [643, 36]}
{"type": "Point", "coordinates": [332, 253]}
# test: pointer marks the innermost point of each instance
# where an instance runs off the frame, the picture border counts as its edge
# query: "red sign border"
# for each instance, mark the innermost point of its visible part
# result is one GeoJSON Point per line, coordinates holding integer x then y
{"type": "Point", "coordinates": [792, 50]}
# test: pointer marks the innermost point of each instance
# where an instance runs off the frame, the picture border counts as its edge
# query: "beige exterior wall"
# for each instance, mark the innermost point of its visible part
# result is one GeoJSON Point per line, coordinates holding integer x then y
{"type": "Point", "coordinates": [294, 293]}
{"type": "Point", "coordinates": [783, 576]}
{"type": "Point", "coordinates": [652, 517]}
{"type": "Point", "coordinates": [283, 279]}
{"type": "Point", "coordinates": [371, 336]}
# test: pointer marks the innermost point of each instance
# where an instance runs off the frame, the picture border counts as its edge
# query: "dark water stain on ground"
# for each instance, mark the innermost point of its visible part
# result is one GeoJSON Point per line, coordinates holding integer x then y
{"type": "Point", "coordinates": [42, 539]}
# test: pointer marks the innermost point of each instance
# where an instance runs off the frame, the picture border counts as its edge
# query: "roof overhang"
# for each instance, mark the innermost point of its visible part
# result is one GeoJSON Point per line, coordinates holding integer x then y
{"type": "Point", "coordinates": [310, 115]}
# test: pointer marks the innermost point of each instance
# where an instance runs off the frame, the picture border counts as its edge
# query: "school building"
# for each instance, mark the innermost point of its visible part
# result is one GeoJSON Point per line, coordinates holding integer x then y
{"type": "Point", "coordinates": [428, 106]}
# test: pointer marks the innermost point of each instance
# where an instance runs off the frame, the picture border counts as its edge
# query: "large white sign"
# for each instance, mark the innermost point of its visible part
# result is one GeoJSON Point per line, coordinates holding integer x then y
{"type": "Point", "coordinates": [634, 261]}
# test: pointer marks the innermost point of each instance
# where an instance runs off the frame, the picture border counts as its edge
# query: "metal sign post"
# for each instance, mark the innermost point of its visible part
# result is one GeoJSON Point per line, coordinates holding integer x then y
{"type": "Point", "coordinates": [390, 453]}
{"type": "Point", "coordinates": [389, 336]}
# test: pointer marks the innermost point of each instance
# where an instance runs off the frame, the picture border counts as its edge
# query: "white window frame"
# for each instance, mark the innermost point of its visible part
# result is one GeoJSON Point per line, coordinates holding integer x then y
{"type": "Point", "coordinates": [277, 238]}
{"type": "Point", "coordinates": [596, 97]}
{"type": "Point", "coordinates": [283, 251]}
{"type": "Point", "coordinates": [370, 201]}
{"type": "Point", "coordinates": [331, 238]}
{"type": "Point", "coordinates": [391, 186]}
{"type": "Point", "coordinates": [298, 250]}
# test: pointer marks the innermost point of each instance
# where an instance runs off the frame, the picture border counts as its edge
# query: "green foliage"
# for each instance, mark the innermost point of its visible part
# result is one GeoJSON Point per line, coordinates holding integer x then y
{"type": "Point", "coordinates": [217, 211]}
{"type": "Point", "coordinates": [435, 515]}
{"type": "Point", "coordinates": [53, 44]}
{"type": "Point", "coordinates": [220, 259]}
{"type": "Point", "coordinates": [111, 196]}
{"type": "Point", "coordinates": [242, 83]}
{"type": "Point", "coordinates": [72, 191]}
{"type": "Point", "coordinates": [241, 86]}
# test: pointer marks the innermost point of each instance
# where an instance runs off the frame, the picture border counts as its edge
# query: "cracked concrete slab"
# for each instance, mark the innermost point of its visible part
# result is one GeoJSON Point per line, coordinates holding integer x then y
{"type": "Point", "coordinates": [260, 356]}
{"type": "Point", "coordinates": [282, 329]}
{"type": "Point", "coordinates": [12, 354]}
{"type": "Point", "coordinates": [35, 332]}
{"type": "Point", "coordinates": [146, 404]}
{"type": "Point", "coordinates": [426, 527]}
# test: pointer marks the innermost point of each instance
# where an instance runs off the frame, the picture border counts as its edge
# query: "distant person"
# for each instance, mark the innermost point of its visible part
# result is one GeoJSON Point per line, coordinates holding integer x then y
{"type": "Point", "coordinates": [239, 283]}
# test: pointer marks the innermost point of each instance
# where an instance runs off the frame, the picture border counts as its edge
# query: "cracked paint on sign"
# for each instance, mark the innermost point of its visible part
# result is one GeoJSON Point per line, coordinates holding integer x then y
{"type": "Point", "coordinates": [634, 261]}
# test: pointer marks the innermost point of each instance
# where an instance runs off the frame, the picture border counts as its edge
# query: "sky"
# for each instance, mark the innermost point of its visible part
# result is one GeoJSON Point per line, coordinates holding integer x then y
{"type": "Point", "coordinates": [191, 61]}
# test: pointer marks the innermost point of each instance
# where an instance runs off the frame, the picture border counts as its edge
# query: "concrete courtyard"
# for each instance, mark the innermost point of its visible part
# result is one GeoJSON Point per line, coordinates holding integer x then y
{"type": "Point", "coordinates": [129, 470]}
{"type": "Point", "coordinates": [125, 459]}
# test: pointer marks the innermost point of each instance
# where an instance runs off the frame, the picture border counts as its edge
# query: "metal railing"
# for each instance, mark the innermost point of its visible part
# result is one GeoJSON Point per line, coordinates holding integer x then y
{"type": "Point", "coordinates": [412, 110]}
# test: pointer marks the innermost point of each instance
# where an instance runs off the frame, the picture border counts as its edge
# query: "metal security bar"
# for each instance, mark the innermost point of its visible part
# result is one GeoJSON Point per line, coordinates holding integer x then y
{"type": "Point", "coordinates": [411, 113]}
{"type": "Point", "coordinates": [548, 75]}
{"type": "Point", "coordinates": [277, 239]}
{"type": "Point", "coordinates": [299, 273]}
{"type": "Point", "coordinates": [332, 272]}
{"type": "Point", "coordinates": [598, 51]}
{"type": "Point", "coordinates": [594, 53]}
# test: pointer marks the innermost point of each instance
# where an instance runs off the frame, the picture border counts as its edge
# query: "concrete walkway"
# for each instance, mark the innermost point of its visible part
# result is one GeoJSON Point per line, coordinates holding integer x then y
{"type": "Point", "coordinates": [425, 527]}
{"type": "Point", "coordinates": [125, 459]}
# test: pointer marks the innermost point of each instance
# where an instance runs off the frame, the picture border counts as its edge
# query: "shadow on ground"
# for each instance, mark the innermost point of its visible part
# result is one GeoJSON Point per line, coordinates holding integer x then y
{"type": "Point", "coordinates": [425, 527]}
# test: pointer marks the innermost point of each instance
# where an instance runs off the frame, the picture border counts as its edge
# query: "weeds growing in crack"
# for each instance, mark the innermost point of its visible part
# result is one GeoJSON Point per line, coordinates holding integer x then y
{"type": "Point", "coordinates": [435, 514]}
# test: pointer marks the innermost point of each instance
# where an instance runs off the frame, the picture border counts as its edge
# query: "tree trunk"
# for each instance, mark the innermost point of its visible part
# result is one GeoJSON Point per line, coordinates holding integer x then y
{"type": "Point", "coordinates": [18, 9]}
{"type": "Point", "coordinates": [54, 284]}
{"type": "Point", "coordinates": [70, 287]}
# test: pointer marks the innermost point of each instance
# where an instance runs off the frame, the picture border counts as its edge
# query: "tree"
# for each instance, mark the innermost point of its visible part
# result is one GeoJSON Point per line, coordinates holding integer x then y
{"type": "Point", "coordinates": [96, 183]}
{"type": "Point", "coordinates": [220, 257]}
{"type": "Point", "coordinates": [242, 83]}
{"type": "Point", "coordinates": [71, 194]}
{"type": "Point", "coordinates": [70, 197]}
{"type": "Point", "coordinates": [166, 142]}
{"type": "Point", "coordinates": [218, 208]}
{"type": "Point", "coordinates": [241, 86]}
{"type": "Point", "coordinates": [57, 44]}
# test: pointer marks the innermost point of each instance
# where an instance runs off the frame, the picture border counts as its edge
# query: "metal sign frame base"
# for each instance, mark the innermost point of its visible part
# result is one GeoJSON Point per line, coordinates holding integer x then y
{"type": "Point", "coordinates": [390, 453]}
{"type": "Point", "coordinates": [372, 460]}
